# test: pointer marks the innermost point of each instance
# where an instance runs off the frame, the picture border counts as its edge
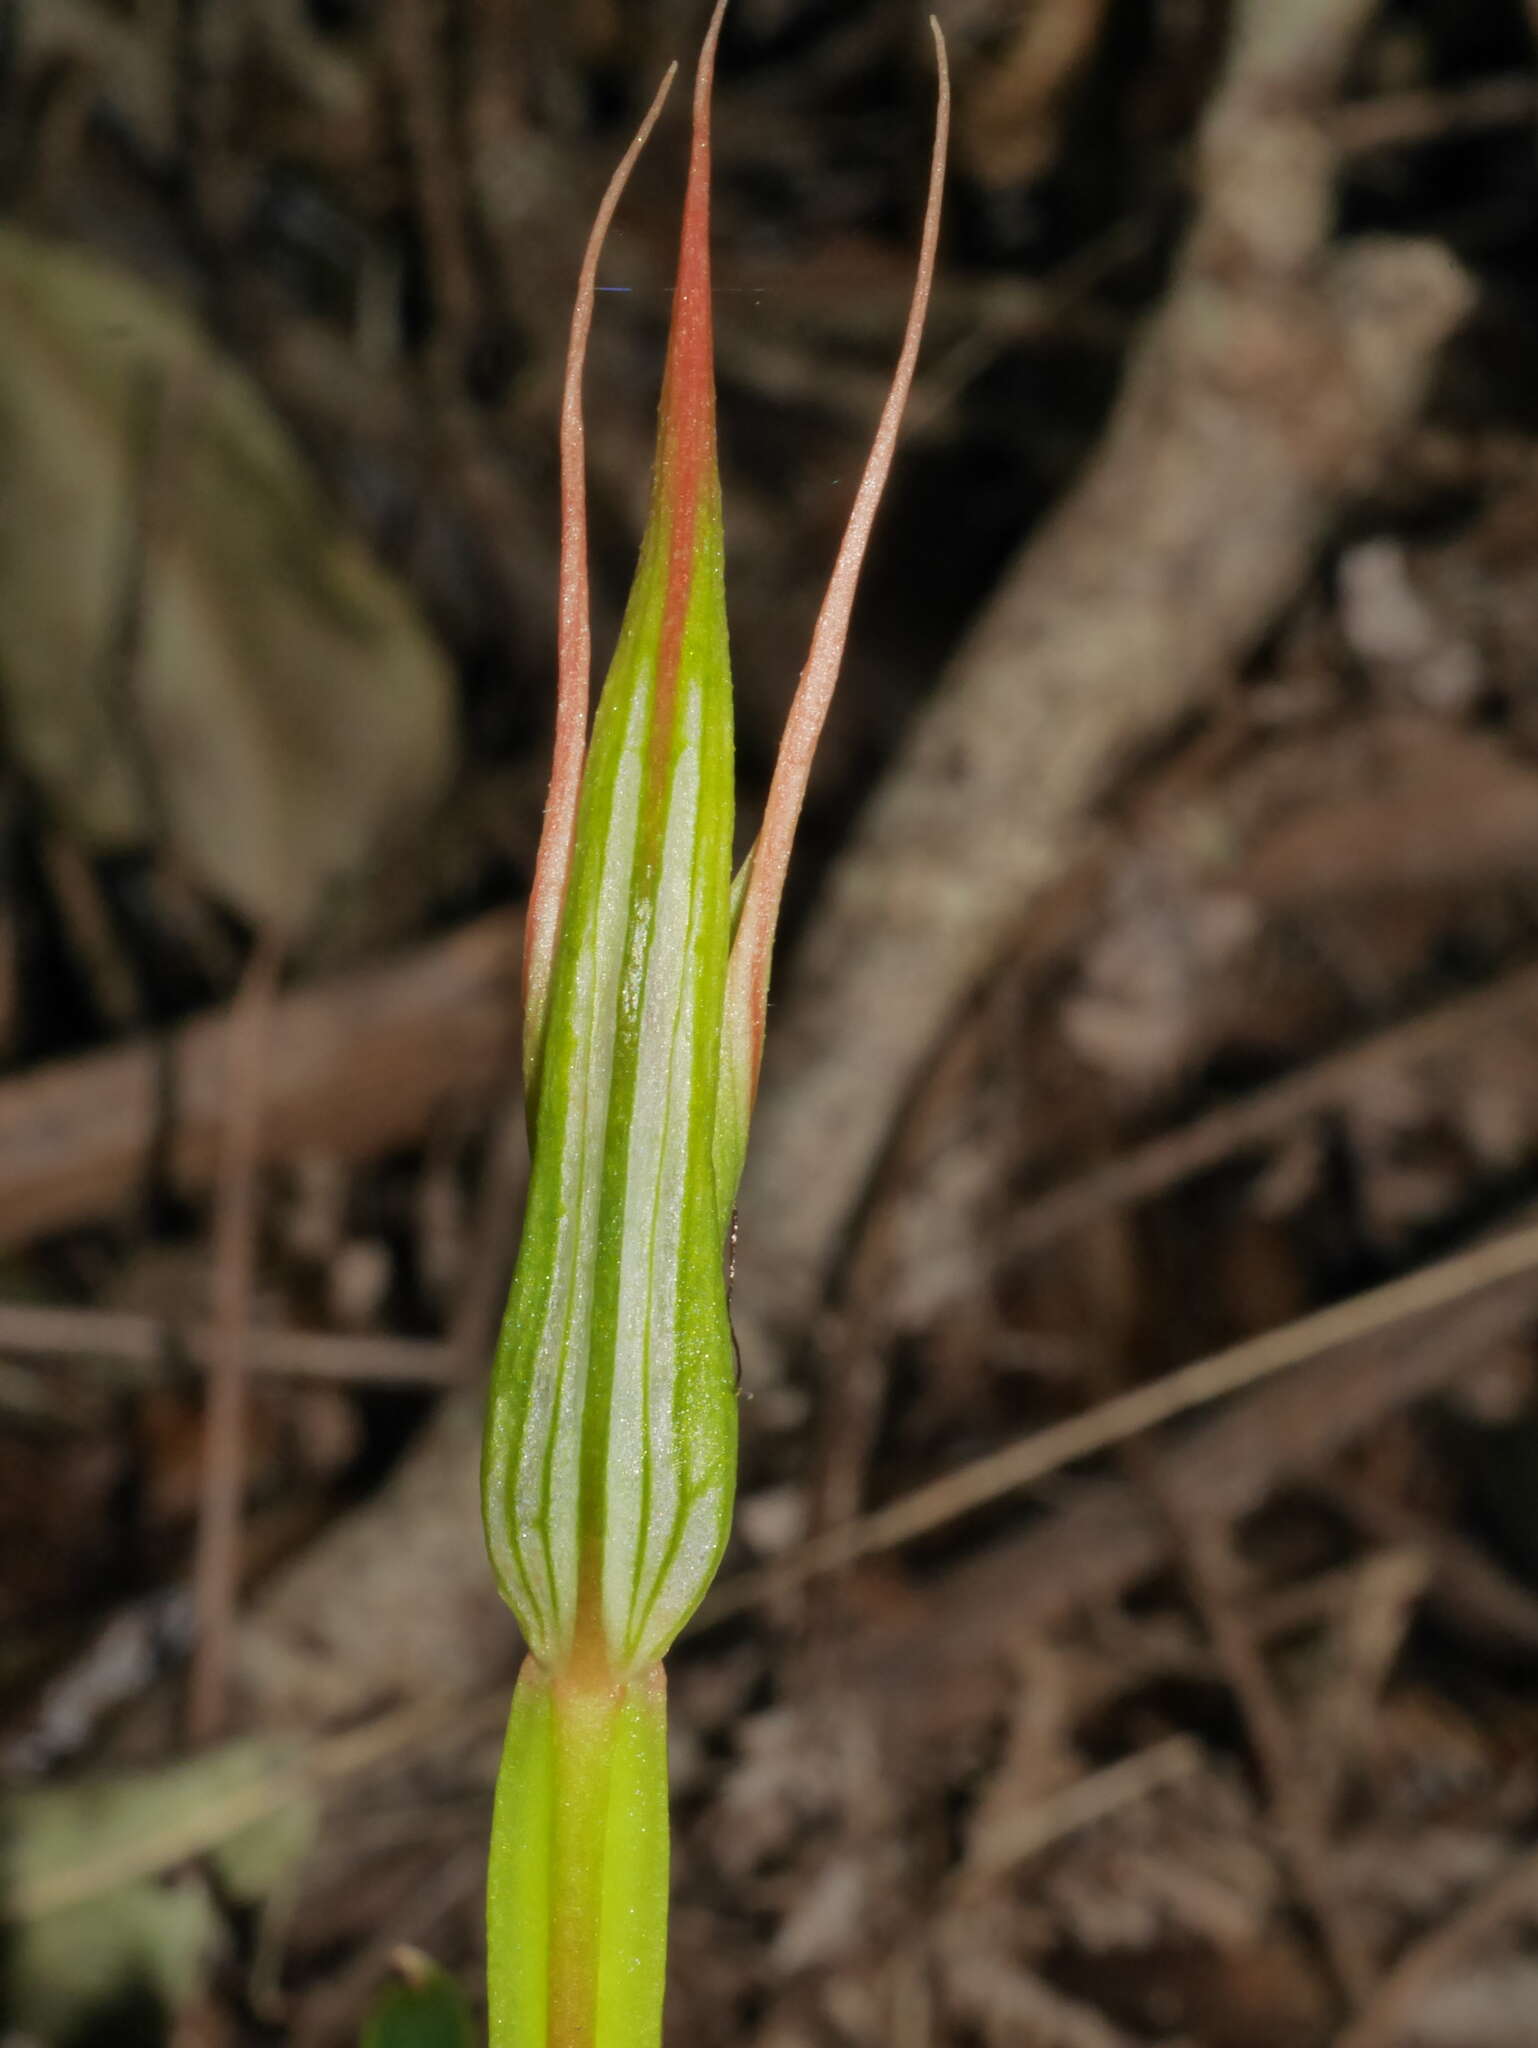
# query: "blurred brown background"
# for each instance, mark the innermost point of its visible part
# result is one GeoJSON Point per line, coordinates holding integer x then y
{"type": "Point", "coordinates": [1161, 971]}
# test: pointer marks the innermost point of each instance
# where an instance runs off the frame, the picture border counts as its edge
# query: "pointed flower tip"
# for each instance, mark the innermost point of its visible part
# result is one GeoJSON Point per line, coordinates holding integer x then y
{"type": "Point", "coordinates": [684, 515]}
{"type": "Point", "coordinates": [688, 403]}
{"type": "Point", "coordinates": [685, 472]}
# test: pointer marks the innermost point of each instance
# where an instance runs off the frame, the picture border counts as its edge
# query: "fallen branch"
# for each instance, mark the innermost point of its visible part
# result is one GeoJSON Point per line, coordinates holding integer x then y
{"type": "Point", "coordinates": [1107, 1536]}
{"type": "Point", "coordinates": [1127, 1416]}
{"type": "Point", "coordinates": [1026, 1831]}
{"type": "Point", "coordinates": [222, 1477]}
{"type": "Point", "coordinates": [1265, 393]}
{"type": "Point", "coordinates": [1403, 120]}
{"type": "Point", "coordinates": [1163, 1162]}
{"type": "Point", "coordinates": [394, 1601]}
{"type": "Point", "coordinates": [1204, 1552]}
{"type": "Point", "coordinates": [1513, 1895]}
{"type": "Point", "coordinates": [145, 1343]}
{"type": "Point", "coordinates": [359, 1064]}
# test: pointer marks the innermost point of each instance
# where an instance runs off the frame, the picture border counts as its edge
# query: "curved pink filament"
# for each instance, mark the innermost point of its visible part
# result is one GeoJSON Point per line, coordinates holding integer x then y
{"type": "Point", "coordinates": [574, 635]}
{"type": "Point", "coordinates": [752, 946]}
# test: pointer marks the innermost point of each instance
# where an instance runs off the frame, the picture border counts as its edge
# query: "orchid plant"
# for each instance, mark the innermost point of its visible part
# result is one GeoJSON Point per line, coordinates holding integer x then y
{"type": "Point", "coordinates": [611, 1439]}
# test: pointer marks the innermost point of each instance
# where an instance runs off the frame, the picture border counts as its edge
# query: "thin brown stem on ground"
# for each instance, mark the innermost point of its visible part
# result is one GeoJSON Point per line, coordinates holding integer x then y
{"type": "Point", "coordinates": [216, 1571]}
{"type": "Point", "coordinates": [1204, 1550]}
{"type": "Point", "coordinates": [1513, 1895]}
{"type": "Point", "coordinates": [1129, 1415]}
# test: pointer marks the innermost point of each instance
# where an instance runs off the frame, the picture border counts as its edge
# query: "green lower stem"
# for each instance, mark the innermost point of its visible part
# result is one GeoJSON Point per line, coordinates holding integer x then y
{"type": "Point", "coordinates": [577, 1885]}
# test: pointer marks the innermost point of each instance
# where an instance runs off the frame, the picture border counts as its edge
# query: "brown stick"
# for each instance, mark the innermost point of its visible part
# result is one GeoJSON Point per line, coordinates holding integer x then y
{"type": "Point", "coordinates": [1174, 1156]}
{"type": "Point", "coordinates": [1514, 1893]}
{"type": "Point", "coordinates": [1205, 1553]}
{"type": "Point", "coordinates": [1473, 1595]}
{"type": "Point", "coordinates": [1402, 119]}
{"type": "Point", "coordinates": [1263, 394]}
{"type": "Point", "coordinates": [216, 1568]}
{"type": "Point", "coordinates": [1107, 1537]}
{"type": "Point", "coordinates": [493, 1241]}
{"type": "Point", "coordinates": [142, 1342]}
{"type": "Point", "coordinates": [1026, 1831]}
{"type": "Point", "coordinates": [359, 1064]}
{"type": "Point", "coordinates": [1117, 1421]}
{"type": "Point", "coordinates": [412, 55]}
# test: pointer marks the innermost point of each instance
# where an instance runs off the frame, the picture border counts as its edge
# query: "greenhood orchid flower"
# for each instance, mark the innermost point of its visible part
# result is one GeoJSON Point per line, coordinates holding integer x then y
{"type": "Point", "coordinates": [611, 1441]}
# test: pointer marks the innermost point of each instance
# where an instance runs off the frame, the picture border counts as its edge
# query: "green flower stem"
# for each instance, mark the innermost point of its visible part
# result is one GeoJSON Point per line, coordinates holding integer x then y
{"type": "Point", "coordinates": [578, 1888]}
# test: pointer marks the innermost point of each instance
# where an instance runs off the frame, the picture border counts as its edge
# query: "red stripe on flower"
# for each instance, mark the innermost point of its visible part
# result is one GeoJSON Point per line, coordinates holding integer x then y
{"type": "Point", "coordinates": [688, 452]}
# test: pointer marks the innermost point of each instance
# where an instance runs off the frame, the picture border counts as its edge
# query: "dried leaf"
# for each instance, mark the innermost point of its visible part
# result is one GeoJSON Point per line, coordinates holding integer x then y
{"type": "Point", "coordinates": [193, 648]}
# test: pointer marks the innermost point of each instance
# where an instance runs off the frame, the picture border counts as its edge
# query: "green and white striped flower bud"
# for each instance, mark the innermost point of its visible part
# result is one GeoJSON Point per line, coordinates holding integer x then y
{"type": "Point", "coordinates": [611, 1447]}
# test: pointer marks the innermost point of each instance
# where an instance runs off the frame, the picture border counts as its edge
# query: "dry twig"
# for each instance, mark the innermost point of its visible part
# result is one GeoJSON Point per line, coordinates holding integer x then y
{"type": "Point", "coordinates": [1174, 1156]}
{"type": "Point", "coordinates": [1129, 1415]}
{"type": "Point", "coordinates": [1104, 1537]}
{"type": "Point", "coordinates": [412, 53]}
{"type": "Point", "coordinates": [1205, 1554]}
{"type": "Point", "coordinates": [144, 1343]}
{"type": "Point", "coordinates": [1095, 1796]}
{"type": "Point", "coordinates": [1265, 391]}
{"type": "Point", "coordinates": [359, 1063]}
{"type": "Point", "coordinates": [216, 1570]}
{"type": "Point", "coordinates": [1513, 1895]}
{"type": "Point", "coordinates": [1402, 119]}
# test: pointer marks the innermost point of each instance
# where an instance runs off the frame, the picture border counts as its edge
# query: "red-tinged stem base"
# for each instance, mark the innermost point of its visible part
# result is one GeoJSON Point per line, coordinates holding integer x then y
{"type": "Point", "coordinates": [577, 1885]}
